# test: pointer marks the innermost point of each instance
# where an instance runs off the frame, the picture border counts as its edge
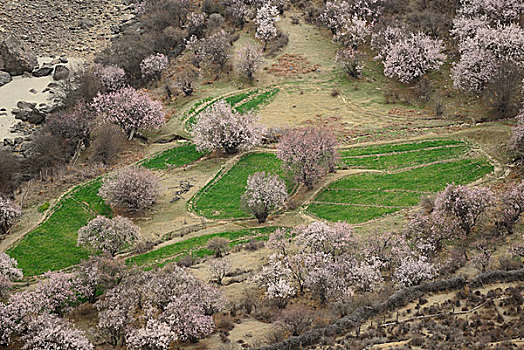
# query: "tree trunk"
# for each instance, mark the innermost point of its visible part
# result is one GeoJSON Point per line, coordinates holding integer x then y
{"type": "Point", "coordinates": [261, 217]}
{"type": "Point", "coordinates": [131, 134]}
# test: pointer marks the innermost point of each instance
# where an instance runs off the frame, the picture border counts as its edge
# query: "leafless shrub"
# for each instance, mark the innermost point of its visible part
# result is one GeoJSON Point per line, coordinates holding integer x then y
{"type": "Point", "coordinates": [107, 144]}
{"type": "Point", "coordinates": [218, 245]}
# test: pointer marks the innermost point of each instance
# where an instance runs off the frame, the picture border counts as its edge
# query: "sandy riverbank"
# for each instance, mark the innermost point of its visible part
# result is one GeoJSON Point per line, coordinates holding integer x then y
{"type": "Point", "coordinates": [19, 90]}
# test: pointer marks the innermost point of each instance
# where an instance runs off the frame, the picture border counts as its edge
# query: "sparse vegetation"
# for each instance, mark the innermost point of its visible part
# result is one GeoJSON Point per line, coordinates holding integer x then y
{"type": "Point", "coordinates": [355, 187]}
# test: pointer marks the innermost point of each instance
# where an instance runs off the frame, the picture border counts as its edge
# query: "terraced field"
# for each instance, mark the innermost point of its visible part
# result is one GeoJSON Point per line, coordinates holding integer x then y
{"type": "Point", "coordinates": [392, 157]}
{"type": "Point", "coordinates": [220, 199]}
{"type": "Point", "coordinates": [196, 246]}
{"type": "Point", "coordinates": [52, 245]}
{"type": "Point", "coordinates": [173, 157]}
{"type": "Point", "coordinates": [244, 102]}
{"type": "Point", "coordinates": [411, 170]}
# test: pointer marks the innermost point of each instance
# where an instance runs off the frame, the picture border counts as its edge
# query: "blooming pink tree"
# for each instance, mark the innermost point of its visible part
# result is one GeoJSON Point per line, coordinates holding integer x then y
{"type": "Point", "coordinates": [496, 10]}
{"type": "Point", "coordinates": [414, 270]}
{"type": "Point", "coordinates": [366, 275]}
{"type": "Point", "coordinates": [214, 49]}
{"type": "Point", "coordinates": [279, 241]}
{"type": "Point", "coordinates": [265, 20]}
{"type": "Point", "coordinates": [320, 237]}
{"type": "Point", "coordinates": [9, 272]}
{"type": "Point", "coordinates": [153, 66]}
{"type": "Point", "coordinates": [436, 227]}
{"type": "Point", "coordinates": [308, 153]}
{"type": "Point", "coordinates": [219, 269]}
{"type": "Point", "coordinates": [512, 206]}
{"type": "Point", "coordinates": [112, 77]}
{"type": "Point", "coordinates": [354, 32]}
{"type": "Point", "coordinates": [222, 128]}
{"type": "Point", "coordinates": [249, 60]}
{"type": "Point", "coordinates": [155, 335]}
{"type": "Point", "coordinates": [9, 214]}
{"type": "Point", "coordinates": [156, 308]}
{"type": "Point", "coordinates": [264, 193]}
{"type": "Point", "coordinates": [413, 56]}
{"type": "Point", "coordinates": [275, 278]}
{"type": "Point", "coordinates": [334, 15]}
{"type": "Point", "coordinates": [51, 332]}
{"type": "Point", "coordinates": [489, 36]}
{"type": "Point", "coordinates": [328, 279]}
{"type": "Point", "coordinates": [132, 189]}
{"type": "Point", "coordinates": [58, 292]}
{"type": "Point", "coordinates": [108, 235]}
{"type": "Point", "coordinates": [130, 109]}
{"type": "Point", "coordinates": [465, 204]}
{"type": "Point", "coordinates": [240, 11]}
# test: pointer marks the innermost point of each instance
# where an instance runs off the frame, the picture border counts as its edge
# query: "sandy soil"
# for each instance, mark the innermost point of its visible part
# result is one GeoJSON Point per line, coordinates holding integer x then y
{"type": "Point", "coordinates": [19, 90]}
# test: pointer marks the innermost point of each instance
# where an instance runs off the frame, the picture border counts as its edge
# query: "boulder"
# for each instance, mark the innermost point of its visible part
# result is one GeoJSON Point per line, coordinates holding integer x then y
{"type": "Point", "coordinates": [25, 105]}
{"type": "Point", "coordinates": [5, 78]}
{"type": "Point", "coordinates": [61, 72]}
{"type": "Point", "coordinates": [36, 117]}
{"type": "Point", "coordinates": [17, 57]}
{"type": "Point", "coordinates": [43, 71]}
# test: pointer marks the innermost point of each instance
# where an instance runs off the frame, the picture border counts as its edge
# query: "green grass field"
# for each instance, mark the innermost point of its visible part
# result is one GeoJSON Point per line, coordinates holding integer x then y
{"type": "Point", "coordinates": [392, 161]}
{"type": "Point", "coordinates": [397, 147]}
{"type": "Point", "coordinates": [221, 199]}
{"type": "Point", "coordinates": [362, 197]}
{"type": "Point", "coordinates": [174, 157]}
{"type": "Point", "coordinates": [232, 100]}
{"type": "Point", "coordinates": [258, 101]}
{"type": "Point", "coordinates": [52, 245]}
{"type": "Point", "coordinates": [196, 246]}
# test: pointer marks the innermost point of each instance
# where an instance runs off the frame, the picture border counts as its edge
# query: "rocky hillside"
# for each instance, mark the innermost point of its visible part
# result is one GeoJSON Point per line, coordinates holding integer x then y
{"type": "Point", "coordinates": [73, 27]}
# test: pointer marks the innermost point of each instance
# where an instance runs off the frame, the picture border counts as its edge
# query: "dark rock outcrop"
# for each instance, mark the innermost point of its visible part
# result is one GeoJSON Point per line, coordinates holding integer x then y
{"type": "Point", "coordinates": [61, 72]}
{"type": "Point", "coordinates": [43, 71]}
{"type": "Point", "coordinates": [5, 78]}
{"type": "Point", "coordinates": [17, 57]}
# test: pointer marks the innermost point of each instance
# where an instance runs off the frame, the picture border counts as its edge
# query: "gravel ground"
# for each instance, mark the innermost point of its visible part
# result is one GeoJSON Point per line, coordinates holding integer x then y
{"type": "Point", "coordinates": [72, 27]}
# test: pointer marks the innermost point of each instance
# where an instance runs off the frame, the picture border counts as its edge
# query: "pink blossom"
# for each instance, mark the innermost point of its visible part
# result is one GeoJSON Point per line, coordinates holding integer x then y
{"type": "Point", "coordinates": [9, 214]}
{"type": "Point", "coordinates": [222, 128]}
{"type": "Point", "coordinates": [154, 336]}
{"type": "Point", "coordinates": [156, 308]}
{"type": "Point", "coordinates": [50, 332]}
{"type": "Point", "coordinates": [219, 269]}
{"type": "Point", "coordinates": [464, 203]}
{"type": "Point", "coordinates": [153, 65]}
{"type": "Point", "coordinates": [249, 60]}
{"type": "Point", "coordinates": [278, 241]}
{"type": "Point", "coordinates": [130, 109]}
{"type": "Point", "coordinates": [112, 77]}
{"type": "Point", "coordinates": [413, 271]}
{"type": "Point", "coordinates": [211, 50]}
{"type": "Point", "coordinates": [9, 272]}
{"type": "Point", "coordinates": [319, 237]}
{"type": "Point", "coordinates": [413, 56]}
{"type": "Point", "coordinates": [108, 235]}
{"type": "Point", "coordinates": [133, 189]}
{"type": "Point", "coordinates": [308, 153]}
{"type": "Point", "coordinates": [264, 193]}
{"type": "Point", "coordinates": [265, 20]}
{"type": "Point", "coordinates": [350, 60]}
